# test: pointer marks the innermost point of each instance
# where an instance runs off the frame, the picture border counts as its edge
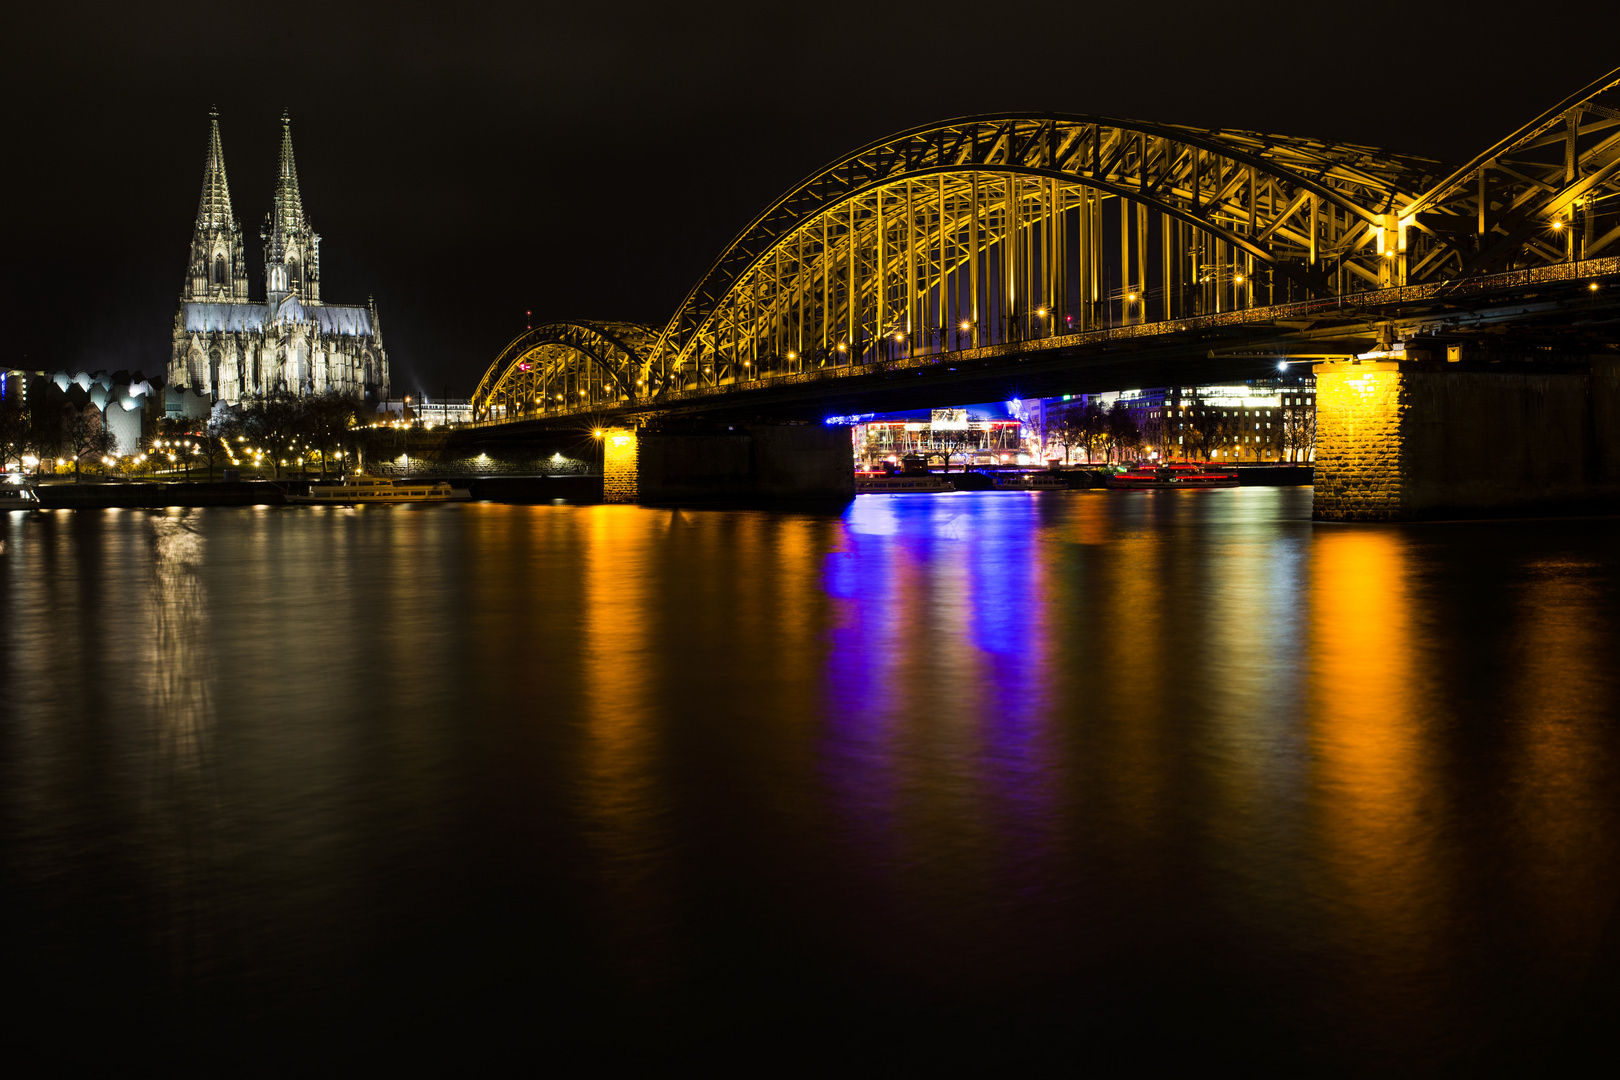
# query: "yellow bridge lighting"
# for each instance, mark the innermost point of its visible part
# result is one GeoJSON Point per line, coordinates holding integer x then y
{"type": "Point", "coordinates": [931, 227]}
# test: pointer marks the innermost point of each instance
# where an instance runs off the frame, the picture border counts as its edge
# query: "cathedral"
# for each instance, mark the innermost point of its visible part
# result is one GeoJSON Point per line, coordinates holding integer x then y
{"type": "Point", "coordinates": [229, 347]}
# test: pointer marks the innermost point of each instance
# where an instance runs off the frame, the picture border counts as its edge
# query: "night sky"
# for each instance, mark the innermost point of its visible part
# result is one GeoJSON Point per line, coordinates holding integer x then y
{"type": "Point", "coordinates": [465, 163]}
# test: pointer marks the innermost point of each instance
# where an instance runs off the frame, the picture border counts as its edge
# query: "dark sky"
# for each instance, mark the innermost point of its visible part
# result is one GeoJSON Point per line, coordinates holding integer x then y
{"type": "Point", "coordinates": [467, 162]}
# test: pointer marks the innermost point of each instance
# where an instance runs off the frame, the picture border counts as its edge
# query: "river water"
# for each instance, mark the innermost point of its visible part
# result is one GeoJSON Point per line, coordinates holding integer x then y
{"type": "Point", "coordinates": [1099, 777]}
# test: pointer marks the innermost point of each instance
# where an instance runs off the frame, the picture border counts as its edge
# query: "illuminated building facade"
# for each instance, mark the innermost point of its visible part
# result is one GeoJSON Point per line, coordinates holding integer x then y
{"type": "Point", "coordinates": [230, 347]}
{"type": "Point", "coordinates": [1262, 420]}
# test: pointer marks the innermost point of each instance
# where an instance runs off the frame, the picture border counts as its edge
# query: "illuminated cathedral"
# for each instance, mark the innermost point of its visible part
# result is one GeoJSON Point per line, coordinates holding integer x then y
{"type": "Point", "coordinates": [230, 347]}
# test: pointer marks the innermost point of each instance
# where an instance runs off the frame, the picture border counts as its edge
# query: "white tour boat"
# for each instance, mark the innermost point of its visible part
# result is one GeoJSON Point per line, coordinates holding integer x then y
{"type": "Point", "coordinates": [371, 489]}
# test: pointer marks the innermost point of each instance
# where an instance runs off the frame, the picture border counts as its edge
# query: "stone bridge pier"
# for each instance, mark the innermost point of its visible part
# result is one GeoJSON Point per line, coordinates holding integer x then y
{"type": "Point", "coordinates": [719, 462]}
{"type": "Point", "coordinates": [1402, 440]}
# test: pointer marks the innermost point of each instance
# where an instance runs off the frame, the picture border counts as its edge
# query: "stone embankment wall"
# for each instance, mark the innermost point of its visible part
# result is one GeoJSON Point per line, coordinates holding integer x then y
{"type": "Point", "coordinates": [1402, 440]}
{"type": "Point", "coordinates": [472, 454]}
{"type": "Point", "coordinates": [811, 462]}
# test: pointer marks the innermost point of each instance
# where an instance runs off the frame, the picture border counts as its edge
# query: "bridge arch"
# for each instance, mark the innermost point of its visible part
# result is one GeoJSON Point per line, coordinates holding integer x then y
{"type": "Point", "coordinates": [1547, 193]}
{"type": "Point", "coordinates": [992, 230]}
{"type": "Point", "coordinates": [564, 367]}
{"type": "Point", "coordinates": [997, 223]}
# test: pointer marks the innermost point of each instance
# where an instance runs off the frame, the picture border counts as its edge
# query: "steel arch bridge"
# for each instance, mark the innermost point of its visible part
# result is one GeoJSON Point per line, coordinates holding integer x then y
{"type": "Point", "coordinates": [1007, 230]}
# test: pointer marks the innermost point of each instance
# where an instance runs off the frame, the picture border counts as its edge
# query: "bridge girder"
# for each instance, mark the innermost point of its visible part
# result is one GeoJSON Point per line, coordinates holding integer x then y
{"type": "Point", "coordinates": [565, 366]}
{"type": "Point", "coordinates": [1548, 193]}
{"type": "Point", "coordinates": [995, 231]}
{"type": "Point", "coordinates": [894, 226]}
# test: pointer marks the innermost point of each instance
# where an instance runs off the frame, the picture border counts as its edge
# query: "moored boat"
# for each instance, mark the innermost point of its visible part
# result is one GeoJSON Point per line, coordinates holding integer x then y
{"type": "Point", "coordinates": [17, 497]}
{"type": "Point", "coordinates": [1174, 475]}
{"type": "Point", "coordinates": [370, 489]}
{"type": "Point", "coordinates": [901, 484]}
{"type": "Point", "coordinates": [1034, 481]}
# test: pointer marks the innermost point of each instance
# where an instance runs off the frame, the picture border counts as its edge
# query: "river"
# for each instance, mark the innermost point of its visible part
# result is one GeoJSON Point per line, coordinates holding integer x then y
{"type": "Point", "coordinates": [1173, 777]}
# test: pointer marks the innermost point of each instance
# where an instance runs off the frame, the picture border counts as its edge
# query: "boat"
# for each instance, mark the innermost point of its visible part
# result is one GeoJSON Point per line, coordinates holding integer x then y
{"type": "Point", "coordinates": [901, 484]}
{"type": "Point", "coordinates": [1176, 475]}
{"type": "Point", "coordinates": [371, 489]}
{"type": "Point", "coordinates": [1033, 481]}
{"type": "Point", "coordinates": [18, 497]}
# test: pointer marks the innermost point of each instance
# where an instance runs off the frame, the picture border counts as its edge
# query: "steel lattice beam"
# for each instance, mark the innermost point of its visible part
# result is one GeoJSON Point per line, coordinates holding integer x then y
{"type": "Point", "coordinates": [1007, 229]}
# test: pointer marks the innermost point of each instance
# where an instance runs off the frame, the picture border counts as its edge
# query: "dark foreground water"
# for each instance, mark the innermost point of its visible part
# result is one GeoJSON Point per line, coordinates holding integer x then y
{"type": "Point", "coordinates": [1113, 778]}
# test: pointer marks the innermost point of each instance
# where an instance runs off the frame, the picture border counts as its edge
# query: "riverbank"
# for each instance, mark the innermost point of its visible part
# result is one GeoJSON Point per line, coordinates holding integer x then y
{"type": "Point", "coordinates": [154, 495]}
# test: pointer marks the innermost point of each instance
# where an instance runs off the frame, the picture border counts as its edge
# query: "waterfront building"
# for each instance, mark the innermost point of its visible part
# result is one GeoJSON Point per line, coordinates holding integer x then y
{"type": "Point", "coordinates": [228, 346]}
{"type": "Point", "coordinates": [1261, 420]}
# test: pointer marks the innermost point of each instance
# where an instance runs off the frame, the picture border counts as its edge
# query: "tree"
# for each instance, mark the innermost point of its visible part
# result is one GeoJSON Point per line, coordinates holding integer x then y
{"type": "Point", "coordinates": [1066, 427]}
{"type": "Point", "coordinates": [1155, 428]}
{"type": "Point", "coordinates": [273, 420]}
{"type": "Point", "coordinates": [1123, 434]}
{"type": "Point", "coordinates": [1299, 431]}
{"type": "Point", "coordinates": [1093, 428]}
{"type": "Point", "coordinates": [1205, 428]}
{"type": "Point", "coordinates": [222, 425]}
{"type": "Point", "coordinates": [14, 429]}
{"type": "Point", "coordinates": [85, 434]}
{"type": "Point", "coordinates": [327, 421]}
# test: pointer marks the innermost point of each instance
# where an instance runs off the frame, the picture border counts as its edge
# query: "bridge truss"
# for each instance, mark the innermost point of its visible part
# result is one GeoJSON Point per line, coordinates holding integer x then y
{"type": "Point", "coordinates": [1011, 229]}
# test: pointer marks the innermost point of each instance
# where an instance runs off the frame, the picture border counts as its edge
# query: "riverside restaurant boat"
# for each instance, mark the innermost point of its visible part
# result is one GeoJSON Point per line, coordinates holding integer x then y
{"type": "Point", "coordinates": [1176, 475]}
{"type": "Point", "coordinates": [370, 489]}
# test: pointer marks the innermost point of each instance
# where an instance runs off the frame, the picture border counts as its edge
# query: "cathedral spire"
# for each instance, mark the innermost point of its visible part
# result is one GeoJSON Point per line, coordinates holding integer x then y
{"type": "Point", "coordinates": [217, 269]}
{"type": "Point", "coordinates": [214, 210]}
{"type": "Point", "coordinates": [292, 251]}
{"type": "Point", "coordinates": [289, 204]}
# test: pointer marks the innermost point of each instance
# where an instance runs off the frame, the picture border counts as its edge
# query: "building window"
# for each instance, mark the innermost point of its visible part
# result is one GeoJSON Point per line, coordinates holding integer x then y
{"type": "Point", "coordinates": [219, 269]}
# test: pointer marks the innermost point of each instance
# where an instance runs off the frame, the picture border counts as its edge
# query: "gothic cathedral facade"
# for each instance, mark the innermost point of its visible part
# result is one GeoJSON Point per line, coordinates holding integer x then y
{"type": "Point", "coordinates": [229, 347]}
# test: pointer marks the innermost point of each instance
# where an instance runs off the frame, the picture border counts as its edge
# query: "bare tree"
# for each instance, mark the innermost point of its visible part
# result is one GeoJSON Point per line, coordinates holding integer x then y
{"type": "Point", "coordinates": [327, 422]}
{"type": "Point", "coordinates": [1123, 434]}
{"type": "Point", "coordinates": [1094, 428]}
{"type": "Point", "coordinates": [1154, 430]}
{"type": "Point", "coordinates": [1066, 427]}
{"type": "Point", "coordinates": [1299, 431]}
{"type": "Point", "coordinates": [274, 421]}
{"type": "Point", "coordinates": [14, 430]}
{"type": "Point", "coordinates": [86, 434]}
{"type": "Point", "coordinates": [1206, 428]}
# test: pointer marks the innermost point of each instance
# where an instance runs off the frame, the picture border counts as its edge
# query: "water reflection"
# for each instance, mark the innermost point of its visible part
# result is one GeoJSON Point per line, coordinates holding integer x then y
{"type": "Point", "coordinates": [1564, 690]}
{"type": "Point", "coordinates": [185, 814]}
{"type": "Point", "coordinates": [625, 808]}
{"type": "Point", "coordinates": [1377, 807]}
{"type": "Point", "coordinates": [1098, 765]}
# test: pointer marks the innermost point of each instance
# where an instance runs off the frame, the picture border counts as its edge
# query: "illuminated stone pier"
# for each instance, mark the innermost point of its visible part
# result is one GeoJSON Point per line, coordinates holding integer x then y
{"type": "Point", "coordinates": [1406, 440]}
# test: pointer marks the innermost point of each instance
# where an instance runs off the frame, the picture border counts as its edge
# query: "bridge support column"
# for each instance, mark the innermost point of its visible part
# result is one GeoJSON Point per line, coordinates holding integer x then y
{"type": "Point", "coordinates": [621, 465]}
{"type": "Point", "coordinates": [1409, 440]}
